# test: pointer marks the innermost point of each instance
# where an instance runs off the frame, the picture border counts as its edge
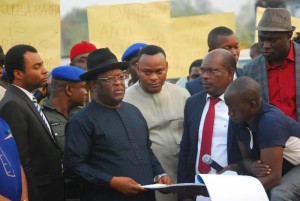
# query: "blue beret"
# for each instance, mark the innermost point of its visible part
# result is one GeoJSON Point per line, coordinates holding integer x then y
{"type": "Point", "coordinates": [132, 51]}
{"type": "Point", "coordinates": [68, 73]}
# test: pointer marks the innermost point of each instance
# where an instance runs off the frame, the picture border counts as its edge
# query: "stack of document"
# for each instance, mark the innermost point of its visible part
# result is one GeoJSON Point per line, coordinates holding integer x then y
{"type": "Point", "coordinates": [219, 187]}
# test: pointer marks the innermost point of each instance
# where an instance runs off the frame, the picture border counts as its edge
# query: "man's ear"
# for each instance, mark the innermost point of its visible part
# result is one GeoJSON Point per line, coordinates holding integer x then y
{"type": "Point", "coordinates": [68, 89]}
{"type": "Point", "coordinates": [18, 74]}
{"type": "Point", "coordinates": [253, 104]}
{"type": "Point", "coordinates": [137, 68]}
{"type": "Point", "coordinates": [92, 85]}
{"type": "Point", "coordinates": [231, 72]}
{"type": "Point", "coordinates": [290, 35]}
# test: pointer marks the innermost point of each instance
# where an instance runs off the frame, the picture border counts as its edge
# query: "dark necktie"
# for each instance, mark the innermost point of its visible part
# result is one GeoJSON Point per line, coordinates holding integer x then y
{"type": "Point", "coordinates": [41, 113]}
{"type": "Point", "coordinates": [207, 133]}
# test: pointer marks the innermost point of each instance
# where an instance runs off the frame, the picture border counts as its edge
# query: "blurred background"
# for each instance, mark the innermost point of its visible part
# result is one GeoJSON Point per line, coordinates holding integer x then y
{"type": "Point", "coordinates": [74, 16]}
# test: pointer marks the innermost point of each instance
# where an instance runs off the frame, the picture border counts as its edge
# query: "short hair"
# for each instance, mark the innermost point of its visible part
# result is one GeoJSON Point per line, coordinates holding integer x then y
{"type": "Point", "coordinates": [213, 35]}
{"type": "Point", "coordinates": [246, 88]}
{"type": "Point", "coordinates": [2, 55]}
{"type": "Point", "coordinates": [150, 50]}
{"type": "Point", "coordinates": [58, 85]}
{"type": "Point", "coordinates": [255, 47]}
{"type": "Point", "coordinates": [195, 63]}
{"type": "Point", "coordinates": [14, 59]}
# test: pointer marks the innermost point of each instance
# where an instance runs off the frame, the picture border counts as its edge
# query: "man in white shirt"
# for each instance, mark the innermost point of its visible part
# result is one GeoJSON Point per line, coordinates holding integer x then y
{"type": "Point", "coordinates": [162, 104]}
{"type": "Point", "coordinates": [216, 72]}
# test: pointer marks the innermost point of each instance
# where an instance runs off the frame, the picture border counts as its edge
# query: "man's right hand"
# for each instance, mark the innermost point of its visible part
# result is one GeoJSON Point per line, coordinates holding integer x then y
{"type": "Point", "coordinates": [126, 185]}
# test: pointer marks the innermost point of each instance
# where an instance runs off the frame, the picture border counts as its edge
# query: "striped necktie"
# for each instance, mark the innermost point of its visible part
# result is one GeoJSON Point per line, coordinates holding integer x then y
{"type": "Point", "coordinates": [41, 113]}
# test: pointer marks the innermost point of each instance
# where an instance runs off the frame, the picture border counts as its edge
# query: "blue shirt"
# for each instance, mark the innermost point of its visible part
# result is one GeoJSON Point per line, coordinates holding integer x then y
{"type": "Point", "coordinates": [105, 142]}
{"type": "Point", "coordinates": [10, 168]}
{"type": "Point", "coordinates": [271, 127]}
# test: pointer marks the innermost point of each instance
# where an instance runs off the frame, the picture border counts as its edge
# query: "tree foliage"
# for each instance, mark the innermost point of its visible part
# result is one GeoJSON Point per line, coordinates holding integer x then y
{"type": "Point", "coordinates": [74, 29]}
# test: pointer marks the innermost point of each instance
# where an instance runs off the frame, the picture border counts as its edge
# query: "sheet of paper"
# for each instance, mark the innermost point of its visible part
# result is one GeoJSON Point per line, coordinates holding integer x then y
{"type": "Point", "coordinates": [192, 188]}
{"type": "Point", "coordinates": [233, 188]}
{"type": "Point", "coordinates": [161, 186]}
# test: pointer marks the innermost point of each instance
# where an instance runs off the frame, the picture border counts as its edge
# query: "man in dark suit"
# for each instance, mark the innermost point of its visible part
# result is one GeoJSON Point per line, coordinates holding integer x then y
{"type": "Point", "coordinates": [217, 71]}
{"type": "Point", "coordinates": [39, 152]}
{"type": "Point", "coordinates": [219, 37]}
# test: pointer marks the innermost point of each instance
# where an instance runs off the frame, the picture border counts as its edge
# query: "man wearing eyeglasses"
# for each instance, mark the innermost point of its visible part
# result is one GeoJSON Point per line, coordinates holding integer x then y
{"type": "Point", "coordinates": [107, 145]}
{"type": "Point", "coordinates": [203, 135]}
{"type": "Point", "coordinates": [161, 103]}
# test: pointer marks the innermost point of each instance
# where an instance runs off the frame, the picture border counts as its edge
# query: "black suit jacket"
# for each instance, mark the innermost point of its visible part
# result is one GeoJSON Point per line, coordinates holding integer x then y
{"type": "Point", "coordinates": [39, 152]}
{"type": "Point", "coordinates": [196, 86]}
{"type": "Point", "coordinates": [188, 146]}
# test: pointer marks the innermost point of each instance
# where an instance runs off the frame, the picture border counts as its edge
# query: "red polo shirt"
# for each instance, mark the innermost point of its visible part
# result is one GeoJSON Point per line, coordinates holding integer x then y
{"type": "Point", "coordinates": [282, 84]}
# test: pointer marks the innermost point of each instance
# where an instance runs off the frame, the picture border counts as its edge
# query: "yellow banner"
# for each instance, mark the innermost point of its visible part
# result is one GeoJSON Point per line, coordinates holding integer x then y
{"type": "Point", "coordinates": [32, 22]}
{"type": "Point", "coordinates": [184, 39]}
{"type": "Point", "coordinates": [259, 13]}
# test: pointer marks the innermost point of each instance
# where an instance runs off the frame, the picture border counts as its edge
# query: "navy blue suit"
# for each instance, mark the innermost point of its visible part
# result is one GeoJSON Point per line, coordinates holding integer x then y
{"type": "Point", "coordinates": [195, 86]}
{"type": "Point", "coordinates": [188, 146]}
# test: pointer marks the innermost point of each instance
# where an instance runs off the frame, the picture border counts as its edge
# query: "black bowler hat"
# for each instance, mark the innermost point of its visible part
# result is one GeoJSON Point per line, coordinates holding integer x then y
{"type": "Point", "coordinates": [100, 61]}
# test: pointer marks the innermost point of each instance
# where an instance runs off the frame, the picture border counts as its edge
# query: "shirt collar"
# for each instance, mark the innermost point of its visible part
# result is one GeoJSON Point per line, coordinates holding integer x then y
{"type": "Point", "coordinates": [208, 97]}
{"type": "Point", "coordinates": [30, 95]}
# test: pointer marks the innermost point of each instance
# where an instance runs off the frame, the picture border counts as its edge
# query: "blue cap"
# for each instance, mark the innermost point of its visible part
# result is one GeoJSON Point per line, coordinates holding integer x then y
{"type": "Point", "coordinates": [132, 51]}
{"type": "Point", "coordinates": [68, 73]}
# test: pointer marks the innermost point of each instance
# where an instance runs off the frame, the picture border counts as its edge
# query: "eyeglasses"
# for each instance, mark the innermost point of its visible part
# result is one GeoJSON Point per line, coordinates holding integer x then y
{"type": "Point", "coordinates": [112, 79]}
{"type": "Point", "coordinates": [209, 71]}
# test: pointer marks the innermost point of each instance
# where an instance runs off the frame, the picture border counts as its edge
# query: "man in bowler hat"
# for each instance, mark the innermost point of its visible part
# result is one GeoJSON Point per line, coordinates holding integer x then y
{"type": "Point", "coordinates": [277, 69]}
{"type": "Point", "coordinates": [107, 143]}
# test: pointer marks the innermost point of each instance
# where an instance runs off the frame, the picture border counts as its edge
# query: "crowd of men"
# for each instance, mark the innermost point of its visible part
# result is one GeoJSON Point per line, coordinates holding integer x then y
{"type": "Point", "coordinates": [97, 136]}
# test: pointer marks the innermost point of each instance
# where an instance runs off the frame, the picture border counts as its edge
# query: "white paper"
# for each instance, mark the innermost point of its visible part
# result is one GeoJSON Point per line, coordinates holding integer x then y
{"type": "Point", "coordinates": [162, 186]}
{"type": "Point", "coordinates": [192, 188]}
{"type": "Point", "coordinates": [233, 188]}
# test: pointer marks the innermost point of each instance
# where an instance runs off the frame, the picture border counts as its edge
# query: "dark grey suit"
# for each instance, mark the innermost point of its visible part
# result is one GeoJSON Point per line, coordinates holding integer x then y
{"type": "Point", "coordinates": [257, 69]}
{"type": "Point", "coordinates": [39, 153]}
{"type": "Point", "coordinates": [188, 147]}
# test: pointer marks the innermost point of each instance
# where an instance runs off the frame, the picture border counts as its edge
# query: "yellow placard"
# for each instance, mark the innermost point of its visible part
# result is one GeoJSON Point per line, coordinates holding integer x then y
{"type": "Point", "coordinates": [32, 22]}
{"type": "Point", "coordinates": [184, 39]}
{"type": "Point", "coordinates": [259, 13]}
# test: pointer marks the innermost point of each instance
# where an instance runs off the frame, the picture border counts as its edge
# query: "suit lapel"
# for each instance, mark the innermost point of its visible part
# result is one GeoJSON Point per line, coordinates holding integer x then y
{"type": "Point", "coordinates": [31, 106]}
{"type": "Point", "coordinates": [36, 113]}
{"type": "Point", "coordinates": [197, 110]}
{"type": "Point", "coordinates": [263, 76]}
{"type": "Point", "coordinates": [297, 72]}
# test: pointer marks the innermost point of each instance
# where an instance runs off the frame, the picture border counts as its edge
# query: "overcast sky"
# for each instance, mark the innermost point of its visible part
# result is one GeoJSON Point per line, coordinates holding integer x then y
{"type": "Point", "coordinates": [67, 5]}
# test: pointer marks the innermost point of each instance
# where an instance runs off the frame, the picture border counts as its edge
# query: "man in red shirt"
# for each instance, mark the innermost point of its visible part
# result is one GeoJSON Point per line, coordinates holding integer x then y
{"type": "Point", "coordinates": [277, 69]}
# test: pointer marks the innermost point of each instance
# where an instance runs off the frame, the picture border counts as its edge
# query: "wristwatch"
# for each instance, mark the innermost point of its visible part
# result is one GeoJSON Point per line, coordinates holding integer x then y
{"type": "Point", "coordinates": [157, 177]}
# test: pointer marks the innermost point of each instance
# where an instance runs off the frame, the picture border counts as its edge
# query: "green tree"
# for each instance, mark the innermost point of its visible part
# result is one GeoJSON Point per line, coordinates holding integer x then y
{"type": "Point", "coordinates": [74, 29]}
